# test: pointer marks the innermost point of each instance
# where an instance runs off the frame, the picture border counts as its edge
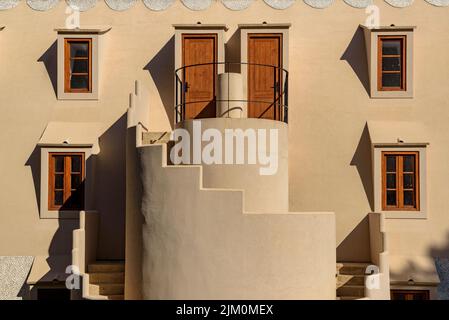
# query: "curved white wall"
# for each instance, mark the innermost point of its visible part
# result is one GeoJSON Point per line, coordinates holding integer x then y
{"type": "Point", "coordinates": [262, 192]}
{"type": "Point", "coordinates": [198, 243]}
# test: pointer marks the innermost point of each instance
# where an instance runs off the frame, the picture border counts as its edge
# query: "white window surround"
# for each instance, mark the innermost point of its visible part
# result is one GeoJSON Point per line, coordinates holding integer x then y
{"type": "Point", "coordinates": [45, 213]}
{"type": "Point", "coordinates": [371, 43]}
{"type": "Point", "coordinates": [85, 33]}
{"type": "Point", "coordinates": [377, 174]}
{"type": "Point", "coordinates": [180, 29]}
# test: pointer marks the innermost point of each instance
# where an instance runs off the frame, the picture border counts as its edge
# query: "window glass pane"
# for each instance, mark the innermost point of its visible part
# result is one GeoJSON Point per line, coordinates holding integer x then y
{"type": "Point", "coordinates": [76, 163]}
{"type": "Point", "coordinates": [391, 163]}
{"type": "Point", "coordinates": [391, 64]}
{"type": "Point", "coordinates": [79, 66]}
{"type": "Point", "coordinates": [59, 181]}
{"type": "Point", "coordinates": [79, 49]}
{"type": "Point", "coordinates": [59, 163]}
{"type": "Point", "coordinates": [391, 198]}
{"type": "Point", "coordinates": [76, 181]}
{"type": "Point", "coordinates": [408, 198]}
{"type": "Point", "coordinates": [79, 82]}
{"type": "Point", "coordinates": [408, 181]}
{"type": "Point", "coordinates": [409, 163]}
{"type": "Point", "coordinates": [59, 198]}
{"type": "Point", "coordinates": [390, 47]}
{"type": "Point", "coordinates": [391, 181]}
{"type": "Point", "coordinates": [391, 80]}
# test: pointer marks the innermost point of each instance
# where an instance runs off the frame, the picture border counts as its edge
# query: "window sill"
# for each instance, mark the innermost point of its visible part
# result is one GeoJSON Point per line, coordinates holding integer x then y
{"type": "Point", "coordinates": [78, 96]}
{"type": "Point", "coordinates": [405, 214]}
{"type": "Point", "coordinates": [391, 94]}
{"type": "Point", "coordinates": [65, 214]}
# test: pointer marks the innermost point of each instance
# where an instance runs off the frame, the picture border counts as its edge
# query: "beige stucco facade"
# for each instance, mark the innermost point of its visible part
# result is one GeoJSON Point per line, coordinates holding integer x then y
{"type": "Point", "coordinates": [331, 162]}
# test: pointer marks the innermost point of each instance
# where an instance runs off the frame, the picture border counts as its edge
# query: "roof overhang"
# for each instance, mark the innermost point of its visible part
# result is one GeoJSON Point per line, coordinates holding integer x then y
{"type": "Point", "coordinates": [388, 28]}
{"type": "Point", "coordinates": [84, 30]}
{"type": "Point", "coordinates": [397, 134]}
{"type": "Point", "coordinates": [265, 26]}
{"type": "Point", "coordinates": [199, 26]}
{"type": "Point", "coordinates": [71, 135]}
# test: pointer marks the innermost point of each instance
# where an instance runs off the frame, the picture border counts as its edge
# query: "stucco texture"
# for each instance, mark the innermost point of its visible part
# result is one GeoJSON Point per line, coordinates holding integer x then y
{"type": "Point", "coordinates": [329, 161]}
{"type": "Point", "coordinates": [198, 243]}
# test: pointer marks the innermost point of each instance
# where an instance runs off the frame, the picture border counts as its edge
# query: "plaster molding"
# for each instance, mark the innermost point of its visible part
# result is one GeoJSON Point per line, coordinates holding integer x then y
{"type": "Point", "coordinates": [81, 5]}
{"type": "Point", "coordinates": [237, 5]}
{"type": "Point", "coordinates": [279, 4]}
{"type": "Point", "coordinates": [399, 3]}
{"type": "Point", "coordinates": [158, 5]}
{"type": "Point", "coordinates": [438, 3]}
{"type": "Point", "coordinates": [120, 5]}
{"type": "Point", "coordinates": [197, 5]}
{"type": "Point", "coordinates": [319, 4]}
{"type": "Point", "coordinates": [42, 5]}
{"type": "Point", "coordinates": [8, 4]}
{"type": "Point", "coordinates": [359, 4]}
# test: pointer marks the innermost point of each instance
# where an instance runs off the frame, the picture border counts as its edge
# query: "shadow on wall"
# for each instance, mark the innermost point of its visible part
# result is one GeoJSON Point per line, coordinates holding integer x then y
{"type": "Point", "coordinates": [109, 200]}
{"type": "Point", "coordinates": [412, 270]}
{"type": "Point", "coordinates": [110, 189]}
{"type": "Point", "coordinates": [232, 52]}
{"type": "Point", "coordinates": [356, 246]}
{"type": "Point", "coordinates": [355, 56]}
{"type": "Point", "coordinates": [50, 60]}
{"type": "Point", "coordinates": [34, 162]}
{"type": "Point", "coordinates": [161, 69]}
{"type": "Point", "coordinates": [362, 160]}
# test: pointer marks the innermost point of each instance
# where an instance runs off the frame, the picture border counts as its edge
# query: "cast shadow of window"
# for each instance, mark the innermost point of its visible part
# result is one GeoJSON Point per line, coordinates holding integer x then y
{"type": "Point", "coordinates": [355, 56]}
{"type": "Point", "coordinates": [162, 70]}
{"type": "Point", "coordinates": [50, 61]}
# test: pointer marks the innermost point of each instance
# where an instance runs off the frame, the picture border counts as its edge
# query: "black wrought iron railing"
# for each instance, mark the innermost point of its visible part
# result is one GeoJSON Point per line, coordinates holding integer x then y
{"type": "Point", "coordinates": [266, 94]}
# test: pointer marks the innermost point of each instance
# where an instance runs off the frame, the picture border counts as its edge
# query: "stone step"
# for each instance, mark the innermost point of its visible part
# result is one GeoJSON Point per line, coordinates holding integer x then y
{"type": "Point", "coordinates": [348, 298]}
{"type": "Point", "coordinates": [106, 289]}
{"type": "Point", "coordinates": [106, 277]}
{"type": "Point", "coordinates": [349, 279]}
{"type": "Point", "coordinates": [106, 266]}
{"type": "Point", "coordinates": [351, 291]}
{"type": "Point", "coordinates": [110, 297]}
{"type": "Point", "coordinates": [352, 268]}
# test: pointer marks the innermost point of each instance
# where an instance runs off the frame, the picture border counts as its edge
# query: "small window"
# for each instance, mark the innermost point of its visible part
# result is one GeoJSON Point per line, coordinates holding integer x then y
{"type": "Point", "coordinates": [400, 181]}
{"type": "Point", "coordinates": [78, 65]}
{"type": "Point", "coordinates": [392, 63]}
{"type": "Point", "coordinates": [66, 181]}
{"type": "Point", "coordinates": [410, 295]}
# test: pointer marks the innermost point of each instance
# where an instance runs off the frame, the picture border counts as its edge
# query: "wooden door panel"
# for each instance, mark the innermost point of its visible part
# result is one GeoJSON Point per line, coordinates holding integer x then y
{"type": "Point", "coordinates": [200, 80]}
{"type": "Point", "coordinates": [264, 49]}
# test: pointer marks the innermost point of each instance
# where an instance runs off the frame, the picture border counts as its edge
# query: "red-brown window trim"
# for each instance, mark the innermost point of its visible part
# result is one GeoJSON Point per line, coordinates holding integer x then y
{"type": "Point", "coordinates": [410, 294]}
{"type": "Point", "coordinates": [67, 179]}
{"type": "Point", "coordinates": [399, 182]}
{"type": "Point", "coordinates": [67, 71]}
{"type": "Point", "coordinates": [403, 56]}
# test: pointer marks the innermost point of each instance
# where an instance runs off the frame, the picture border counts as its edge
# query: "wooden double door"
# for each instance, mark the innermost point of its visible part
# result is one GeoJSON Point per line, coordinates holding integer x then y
{"type": "Point", "coordinates": [264, 76]}
{"type": "Point", "coordinates": [199, 58]}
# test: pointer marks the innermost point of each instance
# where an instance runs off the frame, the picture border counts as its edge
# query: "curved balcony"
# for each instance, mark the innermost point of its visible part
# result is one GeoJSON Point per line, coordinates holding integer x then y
{"type": "Point", "coordinates": [231, 90]}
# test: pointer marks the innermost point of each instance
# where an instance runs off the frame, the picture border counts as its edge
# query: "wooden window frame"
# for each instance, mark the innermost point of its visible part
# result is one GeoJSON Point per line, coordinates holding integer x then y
{"type": "Point", "coordinates": [68, 58]}
{"type": "Point", "coordinates": [399, 182]}
{"type": "Point", "coordinates": [67, 179]}
{"type": "Point", "coordinates": [380, 55]}
{"type": "Point", "coordinates": [425, 293]}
